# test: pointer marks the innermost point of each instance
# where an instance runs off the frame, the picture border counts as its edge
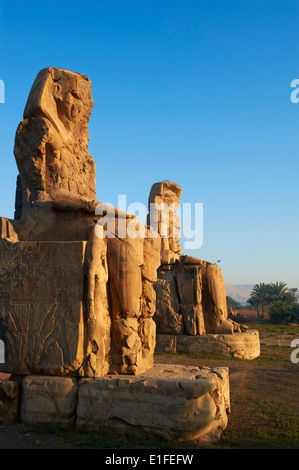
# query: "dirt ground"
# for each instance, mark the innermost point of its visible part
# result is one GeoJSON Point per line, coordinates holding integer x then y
{"type": "Point", "coordinates": [254, 387]}
{"type": "Point", "coordinates": [264, 401]}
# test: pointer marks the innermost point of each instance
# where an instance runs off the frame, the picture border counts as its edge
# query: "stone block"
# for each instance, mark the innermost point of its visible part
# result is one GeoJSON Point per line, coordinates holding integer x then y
{"type": "Point", "coordinates": [245, 345]}
{"type": "Point", "coordinates": [9, 400]}
{"type": "Point", "coordinates": [176, 402]}
{"type": "Point", "coordinates": [49, 401]}
{"type": "Point", "coordinates": [166, 343]}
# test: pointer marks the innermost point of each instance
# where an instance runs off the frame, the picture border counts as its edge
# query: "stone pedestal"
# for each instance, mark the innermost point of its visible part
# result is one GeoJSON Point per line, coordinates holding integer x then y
{"type": "Point", "coordinates": [175, 402]}
{"type": "Point", "coordinates": [245, 345]}
{"type": "Point", "coordinates": [172, 401]}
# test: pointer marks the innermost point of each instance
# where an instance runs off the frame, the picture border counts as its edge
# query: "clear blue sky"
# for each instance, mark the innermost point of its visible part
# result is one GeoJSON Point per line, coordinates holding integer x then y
{"type": "Point", "coordinates": [197, 92]}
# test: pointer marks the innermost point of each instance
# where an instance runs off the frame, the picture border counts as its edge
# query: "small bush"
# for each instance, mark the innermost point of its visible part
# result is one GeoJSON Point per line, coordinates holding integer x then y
{"type": "Point", "coordinates": [284, 312]}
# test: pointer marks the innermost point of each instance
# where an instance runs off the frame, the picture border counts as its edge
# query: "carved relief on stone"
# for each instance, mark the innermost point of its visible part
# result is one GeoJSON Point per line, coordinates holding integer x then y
{"type": "Point", "coordinates": [54, 308]}
{"type": "Point", "coordinates": [42, 312]}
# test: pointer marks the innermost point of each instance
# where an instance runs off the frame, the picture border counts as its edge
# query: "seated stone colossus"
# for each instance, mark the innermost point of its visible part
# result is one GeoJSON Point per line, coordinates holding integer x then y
{"type": "Point", "coordinates": [71, 302]}
{"type": "Point", "coordinates": [191, 298]}
{"type": "Point", "coordinates": [80, 296]}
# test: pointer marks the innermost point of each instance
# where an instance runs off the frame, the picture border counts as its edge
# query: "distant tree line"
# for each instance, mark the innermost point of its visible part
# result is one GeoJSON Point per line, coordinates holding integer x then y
{"type": "Point", "coordinates": [235, 305]}
{"type": "Point", "coordinates": [276, 298]}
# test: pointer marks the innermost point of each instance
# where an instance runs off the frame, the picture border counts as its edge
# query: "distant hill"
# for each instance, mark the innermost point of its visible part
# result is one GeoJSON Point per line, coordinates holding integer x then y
{"type": "Point", "coordinates": [239, 292]}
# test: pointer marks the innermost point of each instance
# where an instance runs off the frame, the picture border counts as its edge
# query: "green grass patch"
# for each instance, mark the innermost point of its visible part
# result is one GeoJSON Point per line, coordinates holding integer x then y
{"type": "Point", "coordinates": [283, 421]}
{"type": "Point", "coordinates": [269, 354]}
{"type": "Point", "coordinates": [272, 329]}
{"type": "Point", "coordinates": [197, 356]}
{"type": "Point", "coordinates": [278, 428]}
{"type": "Point", "coordinates": [274, 354]}
{"type": "Point", "coordinates": [111, 440]}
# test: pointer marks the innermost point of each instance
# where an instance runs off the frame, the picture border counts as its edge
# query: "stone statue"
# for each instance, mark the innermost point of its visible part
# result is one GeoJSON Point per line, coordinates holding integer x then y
{"type": "Point", "coordinates": [83, 286]}
{"type": "Point", "coordinates": [77, 304]}
{"type": "Point", "coordinates": [51, 145]}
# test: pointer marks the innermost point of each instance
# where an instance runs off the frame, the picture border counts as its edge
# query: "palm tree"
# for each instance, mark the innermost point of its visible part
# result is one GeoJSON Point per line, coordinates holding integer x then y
{"type": "Point", "coordinates": [279, 291]}
{"type": "Point", "coordinates": [294, 291]}
{"type": "Point", "coordinates": [259, 298]}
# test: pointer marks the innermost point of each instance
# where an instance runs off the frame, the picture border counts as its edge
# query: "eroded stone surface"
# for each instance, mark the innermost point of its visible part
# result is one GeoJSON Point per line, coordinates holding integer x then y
{"type": "Point", "coordinates": [191, 299]}
{"type": "Point", "coordinates": [245, 345]}
{"type": "Point", "coordinates": [49, 401]}
{"type": "Point", "coordinates": [41, 306]}
{"type": "Point", "coordinates": [42, 309]}
{"type": "Point", "coordinates": [73, 301]}
{"type": "Point", "coordinates": [76, 304]}
{"type": "Point", "coordinates": [191, 296]}
{"type": "Point", "coordinates": [170, 401]}
{"type": "Point", "coordinates": [176, 402]}
{"type": "Point", "coordinates": [51, 145]}
{"type": "Point", "coordinates": [163, 202]}
{"type": "Point", "coordinates": [9, 401]}
{"type": "Point", "coordinates": [133, 264]}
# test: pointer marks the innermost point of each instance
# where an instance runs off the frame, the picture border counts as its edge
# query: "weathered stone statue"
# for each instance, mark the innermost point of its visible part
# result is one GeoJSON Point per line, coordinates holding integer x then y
{"type": "Point", "coordinates": [71, 303]}
{"type": "Point", "coordinates": [51, 145]}
{"type": "Point", "coordinates": [78, 283]}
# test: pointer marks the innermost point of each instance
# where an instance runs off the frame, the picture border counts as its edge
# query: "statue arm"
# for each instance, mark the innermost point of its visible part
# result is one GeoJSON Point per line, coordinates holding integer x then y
{"type": "Point", "coordinates": [67, 201]}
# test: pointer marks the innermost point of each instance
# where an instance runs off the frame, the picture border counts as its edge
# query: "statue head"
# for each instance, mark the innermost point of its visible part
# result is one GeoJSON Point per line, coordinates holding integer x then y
{"type": "Point", "coordinates": [64, 97]}
{"type": "Point", "coordinates": [51, 145]}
